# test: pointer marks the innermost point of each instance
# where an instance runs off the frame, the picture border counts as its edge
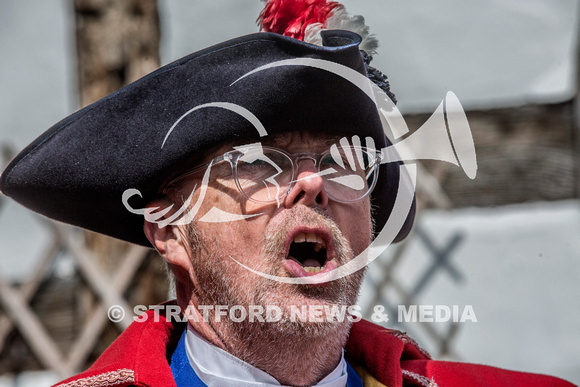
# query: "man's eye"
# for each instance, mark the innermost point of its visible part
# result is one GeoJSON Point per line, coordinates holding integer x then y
{"type": "Point", "coordinates": [222, 170]}
{"type": "Point", "coordinates": [255, 164]}
{"type": "Point", "coordinates": [256, 167]}
{"type": "Point", "coordinates": [331, 162]}
{"type": "Point", "coordinates": [328, 160]}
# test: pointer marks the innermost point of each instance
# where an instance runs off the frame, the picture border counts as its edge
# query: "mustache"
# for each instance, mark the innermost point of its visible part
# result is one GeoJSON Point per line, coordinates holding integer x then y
{"type": "Point", "coordinates": [274, 238]}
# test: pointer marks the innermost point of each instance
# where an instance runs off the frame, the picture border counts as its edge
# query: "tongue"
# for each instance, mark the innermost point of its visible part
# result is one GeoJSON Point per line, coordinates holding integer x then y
{"type": "Point", "coordinates": [310, 262]}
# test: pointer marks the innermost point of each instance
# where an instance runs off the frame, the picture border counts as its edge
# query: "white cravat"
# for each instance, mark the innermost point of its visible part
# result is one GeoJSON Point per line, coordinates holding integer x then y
{"type": "Point", "coordinates": [217, 368]}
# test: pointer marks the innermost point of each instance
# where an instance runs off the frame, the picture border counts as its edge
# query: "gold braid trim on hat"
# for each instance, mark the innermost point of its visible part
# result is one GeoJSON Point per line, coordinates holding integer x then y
{"type": "Point", "coordinates": [113, 378]}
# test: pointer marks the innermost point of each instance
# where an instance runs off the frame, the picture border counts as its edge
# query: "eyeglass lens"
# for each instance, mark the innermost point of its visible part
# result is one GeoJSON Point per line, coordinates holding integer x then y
{"type": "Point", "coordinates": [265, 174]}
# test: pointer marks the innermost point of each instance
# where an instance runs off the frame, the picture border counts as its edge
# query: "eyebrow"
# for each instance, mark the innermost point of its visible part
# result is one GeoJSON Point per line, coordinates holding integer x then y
{"type": "Point", "coordinates": [284, 141]}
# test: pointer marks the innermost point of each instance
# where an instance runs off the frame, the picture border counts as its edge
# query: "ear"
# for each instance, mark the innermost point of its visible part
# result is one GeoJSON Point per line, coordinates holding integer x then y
{"type": "Point", "coordinates": [169, 241]}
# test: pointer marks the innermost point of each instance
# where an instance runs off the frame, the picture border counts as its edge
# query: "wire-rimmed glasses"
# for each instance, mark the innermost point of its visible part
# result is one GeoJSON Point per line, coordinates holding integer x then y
{"type": "Point", "coordinates": [265, 174]}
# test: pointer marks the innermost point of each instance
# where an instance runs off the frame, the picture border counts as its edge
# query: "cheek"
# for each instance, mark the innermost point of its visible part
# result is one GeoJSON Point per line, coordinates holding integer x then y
{"type": "Point", "coordinates": [355, 223]}
{"type": "Point", "coordinates": [239, 238]}
{"type": "Point", "coordinates": [224, 195]}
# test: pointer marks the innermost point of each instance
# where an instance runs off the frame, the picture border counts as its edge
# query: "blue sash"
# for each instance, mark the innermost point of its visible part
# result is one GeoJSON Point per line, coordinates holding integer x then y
{"type": "Point", "coordinates": [353, 380]}
{"type": "Point", "coordinates": [185, 376]}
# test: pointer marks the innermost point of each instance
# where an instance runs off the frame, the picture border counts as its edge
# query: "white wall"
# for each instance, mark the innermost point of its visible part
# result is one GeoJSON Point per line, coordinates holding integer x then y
{"type": "Point", "coordinates": [490, 53]}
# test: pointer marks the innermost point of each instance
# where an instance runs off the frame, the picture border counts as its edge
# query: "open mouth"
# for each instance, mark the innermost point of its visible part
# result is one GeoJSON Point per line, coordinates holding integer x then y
{"type": "Point", "coordinates": [309, 251]}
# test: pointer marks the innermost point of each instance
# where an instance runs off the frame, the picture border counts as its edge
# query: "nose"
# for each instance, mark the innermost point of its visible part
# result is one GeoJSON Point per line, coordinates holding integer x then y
{"type": "Point", "coordinates": [308, 188]}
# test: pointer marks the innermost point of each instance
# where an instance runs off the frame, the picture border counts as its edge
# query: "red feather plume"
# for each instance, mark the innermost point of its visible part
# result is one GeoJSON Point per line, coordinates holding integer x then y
{"type": "Point", "coordinates": [291, 17]}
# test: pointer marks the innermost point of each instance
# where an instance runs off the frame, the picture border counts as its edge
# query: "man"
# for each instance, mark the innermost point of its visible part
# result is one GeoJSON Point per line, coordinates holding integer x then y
{"type": "Point", "coordinates": [256, 164]}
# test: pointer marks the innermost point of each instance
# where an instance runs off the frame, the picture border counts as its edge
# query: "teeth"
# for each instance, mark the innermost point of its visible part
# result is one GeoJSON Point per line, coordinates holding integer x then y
{"type": "Point", "coordinates": [312, 238]}
{"type": "Point", "coordinates": [300, 238]}
{"type": "Point", "coordinates": [318, 244]}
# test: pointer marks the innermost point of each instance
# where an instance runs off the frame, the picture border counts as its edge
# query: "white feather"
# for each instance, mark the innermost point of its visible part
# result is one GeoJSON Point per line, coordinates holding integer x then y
{"type": "Point", "coordinates": [341, 20]}
{"type": "Point", "coordinates": [312, 34]}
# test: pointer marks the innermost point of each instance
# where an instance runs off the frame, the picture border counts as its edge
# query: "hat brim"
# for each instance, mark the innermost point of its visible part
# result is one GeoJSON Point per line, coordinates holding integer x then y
{"type": "Point", "coordinates": [77, 171]}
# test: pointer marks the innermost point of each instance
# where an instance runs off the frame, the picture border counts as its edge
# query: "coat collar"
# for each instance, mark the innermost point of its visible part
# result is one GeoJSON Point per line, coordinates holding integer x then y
{"type": "Point", "coordinates": [140, 355]}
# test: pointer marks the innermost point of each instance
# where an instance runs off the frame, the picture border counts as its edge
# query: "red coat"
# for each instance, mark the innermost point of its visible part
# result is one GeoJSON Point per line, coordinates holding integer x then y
{"type": "Point", "coordinates": [140, 357]}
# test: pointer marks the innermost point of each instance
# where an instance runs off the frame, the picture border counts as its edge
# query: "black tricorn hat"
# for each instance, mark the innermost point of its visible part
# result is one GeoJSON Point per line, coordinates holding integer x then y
{"type": "Point", "coordinates": [77, 171]}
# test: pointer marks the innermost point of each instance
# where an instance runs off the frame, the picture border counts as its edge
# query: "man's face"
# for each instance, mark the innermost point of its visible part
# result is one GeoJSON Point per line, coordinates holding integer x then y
{"type": "Point", "coordinates": [306, 233]}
